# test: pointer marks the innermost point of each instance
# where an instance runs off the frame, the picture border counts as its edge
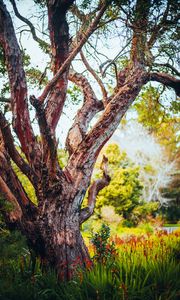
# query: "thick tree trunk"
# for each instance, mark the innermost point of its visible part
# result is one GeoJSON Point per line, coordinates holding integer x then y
{"type": "Point", "coordinates": [56, 238]}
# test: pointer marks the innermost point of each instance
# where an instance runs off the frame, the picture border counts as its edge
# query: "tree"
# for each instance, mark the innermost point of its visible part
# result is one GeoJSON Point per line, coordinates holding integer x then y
{"type": "Point", "coordinates": [124, 190]}
{"type": "Point", "coordinates": [52, 227]}
{"type": "Point", "coordinates": [155, 169]}
{"type": "Point", "coordinates": [160, 119]}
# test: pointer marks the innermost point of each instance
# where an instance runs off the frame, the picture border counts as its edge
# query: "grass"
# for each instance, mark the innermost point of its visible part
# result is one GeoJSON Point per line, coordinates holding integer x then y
{"type": "Point", "coordinates": [144, 267]}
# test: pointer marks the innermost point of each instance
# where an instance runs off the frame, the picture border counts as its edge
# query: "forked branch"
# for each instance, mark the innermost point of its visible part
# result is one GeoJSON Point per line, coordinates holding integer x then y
{"type": "Point", "coordinates": [48, 138]}
{"type": "Point", "coordinates": [90, 107]}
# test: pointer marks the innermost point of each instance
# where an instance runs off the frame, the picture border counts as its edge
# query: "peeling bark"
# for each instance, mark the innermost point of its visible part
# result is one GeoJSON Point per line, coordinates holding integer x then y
{"type": "Point", "coordinates": [17, 80]}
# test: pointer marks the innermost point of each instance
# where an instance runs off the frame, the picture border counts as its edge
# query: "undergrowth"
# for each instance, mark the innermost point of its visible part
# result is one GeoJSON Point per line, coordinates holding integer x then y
{"type": "Point", "coordinates": [144, 267]}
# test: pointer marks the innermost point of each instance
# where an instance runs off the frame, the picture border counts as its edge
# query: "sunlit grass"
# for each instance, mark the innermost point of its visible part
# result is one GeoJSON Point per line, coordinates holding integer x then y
{"type": "Point", "coordinates": [142, 266]}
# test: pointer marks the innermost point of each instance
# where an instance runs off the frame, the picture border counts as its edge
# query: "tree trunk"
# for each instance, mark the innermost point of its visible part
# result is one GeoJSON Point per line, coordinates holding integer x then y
{"type": "Point", "coordinates": [56, 238]}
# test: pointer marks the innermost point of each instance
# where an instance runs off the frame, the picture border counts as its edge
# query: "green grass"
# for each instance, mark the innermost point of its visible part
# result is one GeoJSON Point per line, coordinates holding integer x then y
{"type": "Point", "coordinates": [144, 267]}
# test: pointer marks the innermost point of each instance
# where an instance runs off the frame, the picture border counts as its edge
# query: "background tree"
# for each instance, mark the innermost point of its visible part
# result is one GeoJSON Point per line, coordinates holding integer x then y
{"type": "Point", "coordinates": [127, 191]}
{"type": "Point", "coordinates": [160, 117]}
{"type": "Point", "coordinates": [52, 225]}
{"type": "Point", "coordinates": [124, 191]}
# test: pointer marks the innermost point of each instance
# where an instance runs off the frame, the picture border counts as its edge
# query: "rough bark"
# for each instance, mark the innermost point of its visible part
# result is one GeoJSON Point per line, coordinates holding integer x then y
{"type": "Point", "coordinates": [17, 80]}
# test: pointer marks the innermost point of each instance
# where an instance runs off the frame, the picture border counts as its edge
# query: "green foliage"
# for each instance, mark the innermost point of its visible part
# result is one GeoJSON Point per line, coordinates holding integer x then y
{"type": "Point", "coordinates": [146, 267]}
{"type": "Point", "coordinates": [35, 77]}
{"type": "Point", "coordinates": [2, 63]}
{"type": "Point", "coordinates": [75, 95]}
{"type": "Point", "coordinates": [142, 211]}
{"type": "Point", "coordinates": [105, 251]}
{"type": "Point", "coordinates": [28, 187]}
{"type": "Point", "coordinates": [159, 119]}
{"type": "Point", "coordinates": [62, 157]}
{"type": "Point", "coordinates": [12, 243]}
{"type": "Point", "coordinates": [124, 190]}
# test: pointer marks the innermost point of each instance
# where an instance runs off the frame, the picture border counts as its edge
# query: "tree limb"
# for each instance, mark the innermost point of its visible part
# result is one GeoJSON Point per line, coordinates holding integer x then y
{"type": "Point", "coordinates": [84, 115]}
{"type": "Point", "coordinates": [48, 138]}
{"type": "Point", "coordinates": [88, 150]}
{"type": "Point", "coordinates": [78, 13]}
{"type": "Point", "coordinates": [16, 212]}
{"type": "Point", "coordinates": [139, 27]}
{"type": "Point", "coordinates": [10, 178]}
{"type": "Point", "coordinates": [31, 26]}
{"type": "Point", "coordinates": [72, 55]}
{"type": "Point", "coordinates": [5, 100]}
{"type": "Point", "coordinates": [97, 78]}
{"type": "Point", "coordinates": [21, 119]}
{"type": "Point", "coordinates": [167, 80]}
{"type": "Point", "coordinates": [94, 189]}
{"type": "Point", "coordinates": [162, 27]}
{"type": "Point", "coordinates": [167, 65]}
{"type": "Point", "coordinates": [14, 154]}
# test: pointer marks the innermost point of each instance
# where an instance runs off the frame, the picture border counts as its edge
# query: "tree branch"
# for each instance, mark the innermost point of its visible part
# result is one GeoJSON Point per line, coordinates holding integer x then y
{"type": "Point", "coordinates": [167, 80]}
{"type": "Point", "coordinates": [12, 181]}
{"type": "Point", "coordinates": [5, 100]}
{"type": "Point", "coordinates": [88, 150]}
{"type": "Point", "coordinates": [97, 78]}
{"type": "Point", "coordinates": [16, 212]}
{"type": "Point", "coordinates": [67, 62]}
{"type": "Point", "coordinates": [31, 26]}
{"type": "Point", "coordinates": [94, 189]}
{"type": "Point", "coordinates": [139, 27]}
{"type": "Point", "coordinates": [14, 154]}
{"type": "Point", "coordinates": [89, 109]}
{"type": "Point", "coordinates": [48, 138]}
{"type": "Point", "coordinates": [167, 65]}
{"type": "Point", "coordinates": [78, 13]}
{"type": "Point", "coordinates": [21, 119]}
{"type": "Point", "coordinates": [162, 27]}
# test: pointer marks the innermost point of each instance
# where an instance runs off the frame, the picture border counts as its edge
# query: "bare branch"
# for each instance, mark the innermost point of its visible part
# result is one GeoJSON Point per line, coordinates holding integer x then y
{"type": "Point", "coordinates": [78, 13]}
{"type": "Point", "coordinates": [167, 80]}
{"type": "Point", "coordinates": [67, 62]}
{"type": "Point", "coordinates": [94, 189]}
{"type": "Point", "coordinates": [167, 65]}
{"type": "Point", "coordinates": [94, 74]}
{"type": "Point", "coordinates": [110, 62]}
{"type": "Point", "coordinates": [162, 27]}
{"type": "Point", "coordinates": [5, 100]}
{"type": "Point", "coordinates": [31, 26]}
